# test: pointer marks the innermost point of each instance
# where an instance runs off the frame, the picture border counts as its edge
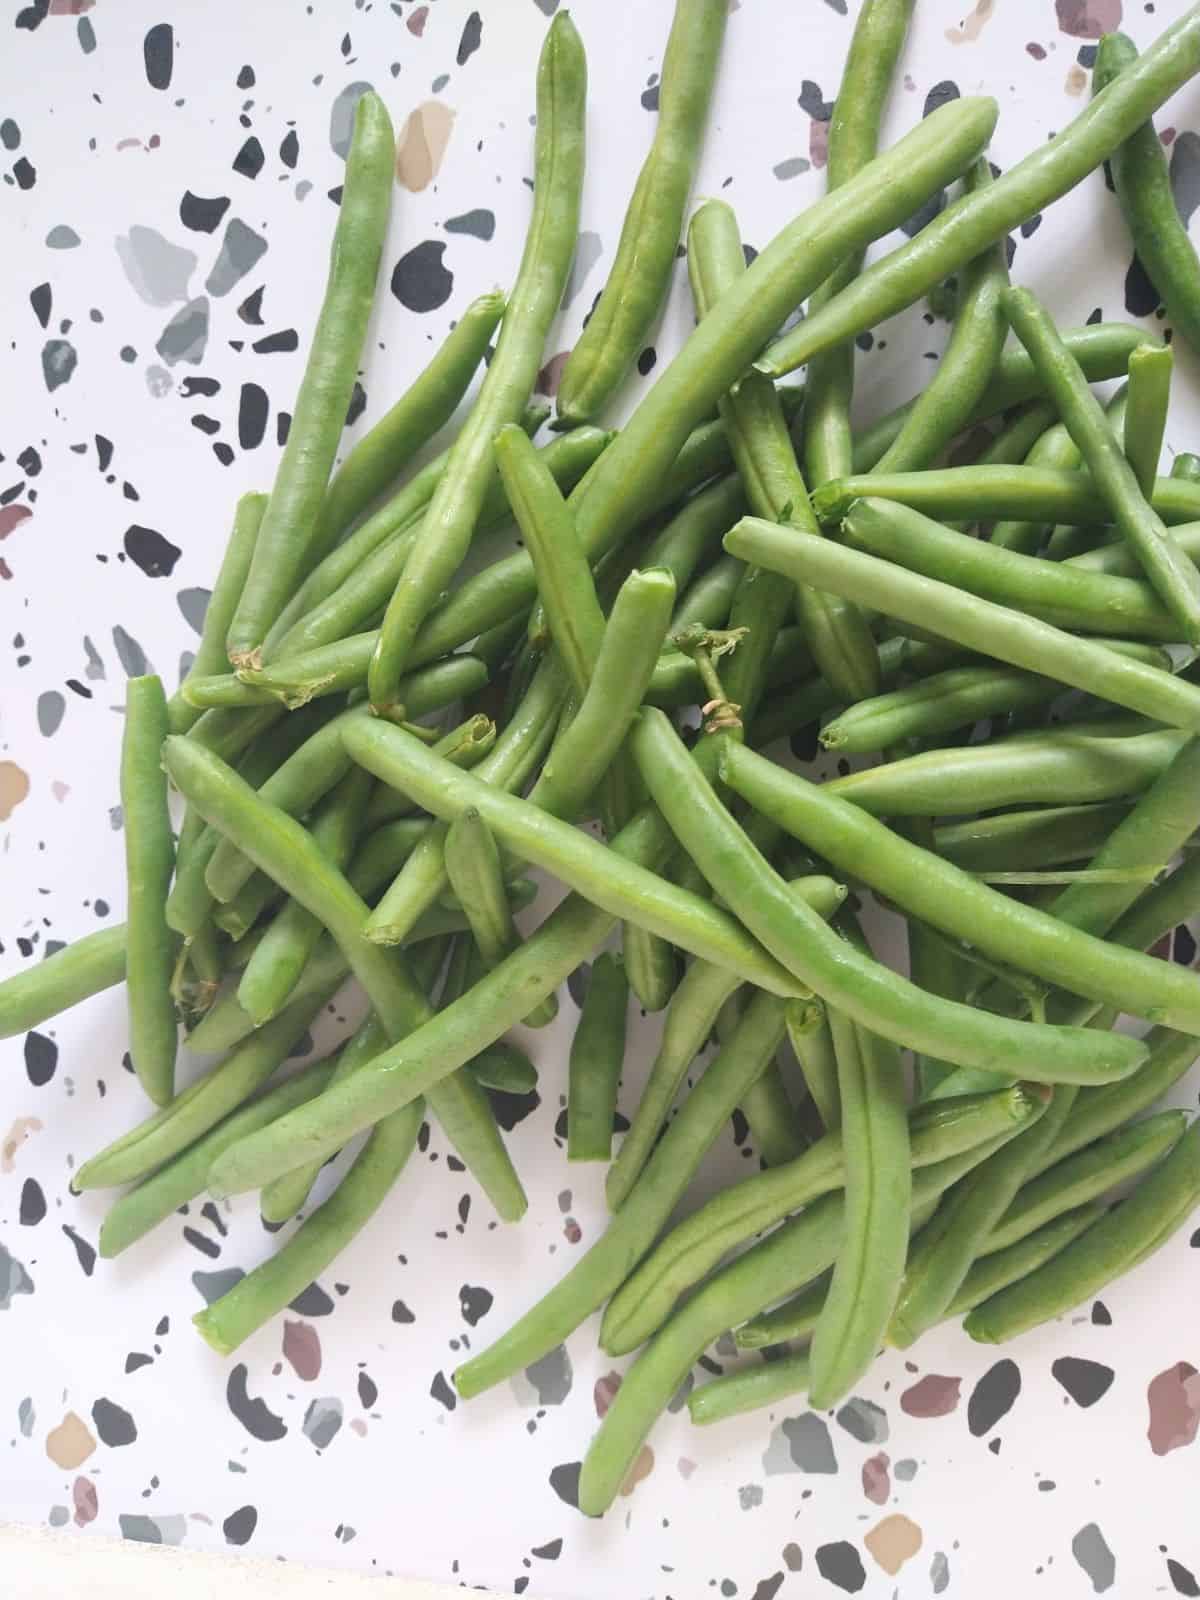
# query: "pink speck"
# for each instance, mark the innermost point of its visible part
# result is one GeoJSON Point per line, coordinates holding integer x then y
{"type": "Point", "coordinates": [604, 1391]}
{"type": "Point", "coordinates": [818, 142]}
{"type": "Point", "coordinates": [876, 1479]}
{"type": "Point", "coordinates": [1037, 51]}
{"type": "Point", "coordinates": [60, 790]}
{"type": "Point", "coordinates": [87, 1504]}
{"type": "Point", "coordinates": [416, 22]}
{"type": "Point", "coordinates": [12, 517]}
{"type": "Point", "coordinates": [932, 1396]}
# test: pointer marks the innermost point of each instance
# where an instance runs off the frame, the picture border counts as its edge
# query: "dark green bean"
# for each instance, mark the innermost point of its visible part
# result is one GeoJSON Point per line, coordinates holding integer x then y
{"type": "Point", "coordinates": [596, 1059]}
{"type": "Point", "coordinates": [1027, 840]}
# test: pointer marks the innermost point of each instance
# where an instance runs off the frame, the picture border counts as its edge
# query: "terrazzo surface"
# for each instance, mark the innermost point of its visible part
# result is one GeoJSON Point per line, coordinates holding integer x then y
{"type": "Point", "coordinates": [169, 190]}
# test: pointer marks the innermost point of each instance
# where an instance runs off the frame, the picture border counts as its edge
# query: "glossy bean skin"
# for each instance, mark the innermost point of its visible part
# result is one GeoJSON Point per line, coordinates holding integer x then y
{"type": "Point", "coordinates": [1102, 350]}
{"type": "Point", "coordinates": [976, 220]}
{"type": "Point", "coordinates": [53, 983]}
{"type": "Point", "coordinates": [974, 623]}
{"type": "Point", "coordinates": [1119, 1240]}
{"type": "Point", "coordinates": [876, 998]}
{"type": "Point", "coordinates": [1119, 561]}
{"type": "Point", "coordinates": [991, 1273]}
{"type": "Point", "coordinates": [1150, 368]}
{"type": "Point", "coordinates": [811, 1038]}
{"type": "Point", "coordinates": [446, 532]}
{"type": "Point", "coordinates": [1055, 448]}
{"type": "Point", "coordinates": [749, 1390]}
{"type": "Point", "coordinates": [615, 332]}
{"type": "Point", "coordinates": [596, 1058]}
{"type": "Point", "coordinates": [1142, 181]}
{"type": "Point", "coordinates": [852, 140]}
{"type": "Point", "coordinates": [288, 540]}
{"type": "Point", "coordinates": [1173, 577]}
{"type": "Point", "coordinates": [1053, 947]}
{"type": "Point", "coordinates": [149, 858]}
{"type": "Point", "coordinates": [1017, 841]}
{"type": "Point", "coordinates": [466, 746]}
{"type": "Point", "coordinates": [210, 654]}
{"type": "Point", "coordinates": [285, 851]}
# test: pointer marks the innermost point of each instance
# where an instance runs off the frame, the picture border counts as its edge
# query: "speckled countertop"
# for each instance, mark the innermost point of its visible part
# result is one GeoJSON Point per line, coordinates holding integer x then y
{"type": "Point", "coordinates": [167, 200]}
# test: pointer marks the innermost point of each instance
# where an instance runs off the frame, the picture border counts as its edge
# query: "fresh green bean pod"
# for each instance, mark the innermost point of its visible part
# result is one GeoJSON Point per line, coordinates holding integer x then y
{"type": "Point", "coordinates": [149, 858]}
{"type": "Point", "coordinates": [811, 1037]}
{"type": "Point", "coordinates": [1055, 448]}
{"type": "Point", "coordinates": [595, 1062]}
{"type": "Point", "coordinates": [1119, 561]}
{"type": "Point", "coordinates": [289, 539]}
{"type": "Point", "coordinates": [1150, 368]}
{"type": "Point", "coordinates": [210, 654]}
{"type": "Point", "coordinates": [991, 1273]}
{"type": "Point", "coordinates": [771, 1118]}
{"type": "Point", "coordinates": [449, 523]}
{"type": "Point", "coordinates": [465, 746]}
{"type": "Point", "coordinates": [1024, 841]}
{"type": "Point", "coordinates": [505, 1068]}
{"type": "Point", "coordinates": [81, 969]}
{"type": "Point", "coordinates": [749, 1389]}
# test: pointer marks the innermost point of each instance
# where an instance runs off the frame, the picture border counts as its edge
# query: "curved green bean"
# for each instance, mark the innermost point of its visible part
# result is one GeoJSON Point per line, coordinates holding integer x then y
{"type": "Point", "coordinates": [993, 1272]}
{"type": "Point", "coordinates": [445, 535]}
{"type": "Point", "coordinates": [289, 539]}
{"type": "Point", "coordinates": [976, 220]}
{"type": "Point", "coordinates": [748, 1389]}
{"type": "Point", "coordinates": [641, 271]}
{"type": "Point", "coordinates": [149, 858]}
{"type": "Point", "coordinates": [56, 982]}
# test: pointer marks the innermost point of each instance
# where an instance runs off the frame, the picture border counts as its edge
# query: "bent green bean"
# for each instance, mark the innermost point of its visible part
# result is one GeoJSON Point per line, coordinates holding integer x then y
{"type": "Point", "coordinates": [56, 982]}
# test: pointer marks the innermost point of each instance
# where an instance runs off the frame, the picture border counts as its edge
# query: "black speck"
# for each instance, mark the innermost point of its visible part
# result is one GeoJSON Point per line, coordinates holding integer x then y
{"type": "Point", "coordinates": [442, 1392]}
{"type": "Point", "coordinates": [480, 223]}
{"type": "Point", "coordinates": [33, 1203]}
{"type": "Point", "coordinates": [993, 1396]}
{"type": "Point", "coordinates": [646, 361]}
{"type": "Point", "coordinates": [32, 16]}
{"type": "Point", "coordinates": [137, 1359]}
{"type": "Point", "coordinates": [1101, 1315]}
{"type": "Point", "coordinates": [1141, 297]}
{"type": "Point", "coordinates": [239, 1525]}
{"type": "Point", "coordinates": [59, 360]}
{"type": "Point", "coordinates": [273, 343]}
{"type": "Point", "coordinates": [283, 423]}
{"type": "Point", "coordinates": [29, 462]}
{"type": "Point", "coordinates": [84, 1252]}
{"type": "Point", "coordinates": [41, 299]}
{"type": "Point", "coordinates": [1183, 946]}
{"type": "Point", "coordinates": [249, 159]}
{"type": "Point", "coordinates": [358, 404]}
{"type": "Point", "coordinates": [224, 454]}
{"type": "Point", "coordinates": [104, 452]}
{"type": "Point", "coordinates": [1182, 1580]}
{"type": "Point", "coordinates": [401, 1313]}
{"type": "Point", "coordinates": [548, 1552]}
{"type": "Point", "coordinates": [841, 1565]}
{"type": "Point", "coordinates": [289, 149]}
{"type": "Point", "coordinates": [147, 549]}
{"type": "Point", "coordinates": [312, 1302]}
{"type": "Point", "coordinates": [940, 95]}
{"type": "Point", "coordinates": [41, 1058]}
{"type": "Point", "coordinates": [471, 35]}
{"type": "Point", "coordinates": [564, 1480]}
{"type": "Point", "coordinates": [202, 215]}
{"type": "Point", "coordinates": [1085, 1381]}
{"type": "Point", "coordinates": [10, 134]}
{"type": "Point", "coordinates": [158, 51]}
{"type": "Point", "coordinates": [254, 1415]}
{"type": "Point", "coordinates": [114, 1424]}
{"type": "Point", "coordinates": [649, 95]}
{"type": "Point", "coordinates": [24, 172]}
{"type": "Point", "coordinates": [200, 1241]}
{"type": "Point", "coordinates": [474, 1303]}
{"type": "Point", "coordinates": [245, 78]}
{"type": "Point", "coordinates": [812, 101]}
{"type": "Point", "coordinates": [192, 386]}
{"type": "Point", "coordinates": [368, 1391]}
{"type": "Point", "coordinates": [420, 280]}
{"type": "Point", "coordinates": [250, 309]}
{"type": "Point", "coordinates": [253, 410]}
{"type": "Point", "coordinates": [509, 1109]}
{"type": "Point", "coordinates": [205, 424]}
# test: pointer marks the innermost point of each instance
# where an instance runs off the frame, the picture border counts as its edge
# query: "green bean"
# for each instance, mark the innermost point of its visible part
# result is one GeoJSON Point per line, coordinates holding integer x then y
{"type": "Point", "coordinates": [1172, 575]}
{"type": "Point", "coordinates": [852, 141]}
{"type": "Point", "coordinates": [203, 1103]}
{"type": "Point", "coordinates": [476, 877]}
{"type": "Point", "coordinates": [610, 881]}
{"type": "Point", "coordinates": [692, 1249]}
{"type": "Point", "coordinates": [1150, 368]}
{"type": "Point", "coordinates": [1064, 595]}
{"type": "Point", "coordinates": [61, 980]}
{"type": "Point", "coordinates": [692, 536]}
{"type": "Point", "coordinates": [226, 591]}
{"type": "Point", "coordinates": [185, 1176]}
{"type": "Point", "coordinates": [951, 900]}
{"type": "Point", "coordinates": [973, 222]}
{"type": "Point", "coordinates": [771, 1119]}
{"type": "Point", "coordinates": [1055, 448]}
{"type": "Point", "coordinates": [335, 668]}
{"type": "Point", "coordinates": [1085, 1176]}
{"type": "Point", "coordinates": [290, 539]}
{"type": "Point", "coordinates": [838, 636]}
{"type": "Point", "coordinates": [596, 1059]}
{"type": "Point", "coordinates": [1020, 841]}
{"type": "Point", "coordinates": [464, 746]}
{"type": "Point", "coordinates": [285, 851]}
{"type": "Point", "coordinates": [284, 1196]}
{"type": "Point", "coordinates": [975, 623]}
{"type": "Point", "coordinates": [707, 603]}
{"type": "Point", "coordinates": [794, 1319]}
{"type": "Point", "coordinates": [199, 968]}
{"type": "Point", "coordinates": [748, 1390]}
{"type": "Point", "coordinates": [1142, 182]}
{"type": "Point", "coordinates": [1118, 1241]}
{"type": "Point", "coordinates": [516, 754]}
{"type": "Point", "coordinates": [811, 1038]}
{"type": "Point", "coordinates": [783, 1261]}
{"type": "Point", "coordinates": [149, 856]}
{"type": "Point", "coordinates": [273, 970]}
{"type": "Point", "coordinates": [942, 1253]}
{"type": "Point", "coordinates": [1172, 901]}
{"type": "Point", "coordinates": [676, 679]}
{"type": "Point", "coordinates": [429, 402]}
{"type": "Point", "coordinates": [641, 270]}
{"type": "Point", "coordinates": [1102, 350]}
{"type": "Point", "coordinates": [438, 551]}
{"type": "Point", "coordinates": [275, 1283]}
{"type": "Point", "coordinates": [878, 999]}
{"type": "Point", "coordinates": [1067, 539]}
{"type": "Point", "coordinates": [993, 1272]}
{"type": "Point", "coordinates": [505, 1068]}
{"type": "Point", "coordinates": [1068, 764]}
{"type": "Point", "coordinates": [1119, 561]}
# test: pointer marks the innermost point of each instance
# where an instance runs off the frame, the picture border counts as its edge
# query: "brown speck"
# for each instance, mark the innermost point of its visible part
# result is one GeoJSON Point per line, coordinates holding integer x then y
{"type": "Point", "coordinates": [933, 1396]}
{"type": "Point", "coordinates": [572, 1232]}
{"type": "Point", "coordinates": [876, 1479]}
{"type": "Point", "coordinates": [1035, 51]}
{"type": "Point", "coordinates": [604, 1392]}
{"type": "Point", "coordinates": [550, 376]}
{"type": "Point", "coordinates": [969, 29]}
{"type": "Point", "coordinates": [422, 144]}
{"type": "Point", "coordinates": [686, 1467]}
{"type": "Point", "coordinates": [417, 20]}
{"type": "Point", "coordinates": [70, 1444]}
{"type": "Point", "coordinates": [641, 1468]}
{"type": "Point", "coordinates": [818, 142]}
{"type": "Point", "coordinates": [14, 787]}
{"type": "Point", "coordinates": [1174, 1400]}
{"type": "Point", "coordinates": [302, 1349]}
{"type": "Point", "coordinates": [1088, 19]}
{"type": "Point", "coordinates": [1077, 80]}
{"type": "Point", "coordinates": [87, 1505]}
{"type": "Point", "coordinates": [15, 1138]}
{"type": "Point", "coordinates": [893, 1541]}
{"type": "Point", "coordinates": [11, 517]}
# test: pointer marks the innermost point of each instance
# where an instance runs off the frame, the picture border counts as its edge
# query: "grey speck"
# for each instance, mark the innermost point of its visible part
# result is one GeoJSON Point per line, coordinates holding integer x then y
{"type": "Point", "coordinates": [116, 818]}
{"type": "Point", "coordinates": [133, 657]}
{"type": "Point", "coordinates": [322, 1422]}
{"type": "Point", "coordinates": [212, 1285]}
{"type": "Point", "coordinates": [62, 238]}
{"type": "Point", "coordinates": [587, 252]}
{"type": "Point", "coordinates": [864, 1421]}
{"type": "Point", "coordinates": [59, 360]}
{"type": "Point", "coordinates": [153, 1530]}
{"type": "Point", "coordinates": [26, 1417]}
{"type": "Point", "coordinates": [193, 603]}
{"type": "Point", "coordinates": [303, 189]}
{"type": "Point", "coordinates": [186, 335]}
{"type": "Point", "coordinates": [95, 667]}
{"type": "Point", "coordinates": [547, 1382]}
{"type": "Point", "coordinates": [341, 117]}
{"type": "Point", "coordinates": [800, 1444]}
{"type": "Point", "coordinates": [750, 1495]}
{"type": "Point", "coordinates": [50, 709]}
{"type": "Point", "coordinates": [480, 223]}
{"type": "Point", "coordinates": [1093, 1555]}
{"type": "Point", "coordinates": [679, 1399]}
{"type": "Point", "coordinates": [157, 269]}
{"type": "Point", "coordinates": [241, 249]}
{"type": "Point", "coordinates": [1185, 174]}
{"type": "Point", "coordinates": [59, 1516]}
{"type": "Point", "coordinates": [159, 381]}
{"type": "Point", "coordinates": [939, 1573]}
{"type": "Point", "coordinates": [14, 1279]}
{"type": "Point", "coordinates": [793, 167]}
{"type": "Point", "coordinates": [440, 82]}
{"type": "Point", "coordinates": [905, 1470]}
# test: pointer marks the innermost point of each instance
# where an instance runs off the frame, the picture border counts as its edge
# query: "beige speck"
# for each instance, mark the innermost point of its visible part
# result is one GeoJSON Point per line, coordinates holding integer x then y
{"type": "Point", "coordinates": [969, 29]}
{"type": "Point", "coordinates": [70, 1444]}
{"type": "Point", "coordinates": [15, 1138]}
{"type": "Point", "coordinates": [14, 787]}
{"type": "Point", "coordinates": [893, 1541]}
{"type": "Point", "coordinates": [422, 144]}
{"type": "Point", "coordinates": [1077, 80]}
{"type": "Point", "coordinates": [641, 1468]}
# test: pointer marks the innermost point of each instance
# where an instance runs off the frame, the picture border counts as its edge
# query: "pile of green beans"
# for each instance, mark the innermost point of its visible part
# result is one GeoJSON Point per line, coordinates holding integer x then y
{"type": "Point", "coordinates": [1010, 640]}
